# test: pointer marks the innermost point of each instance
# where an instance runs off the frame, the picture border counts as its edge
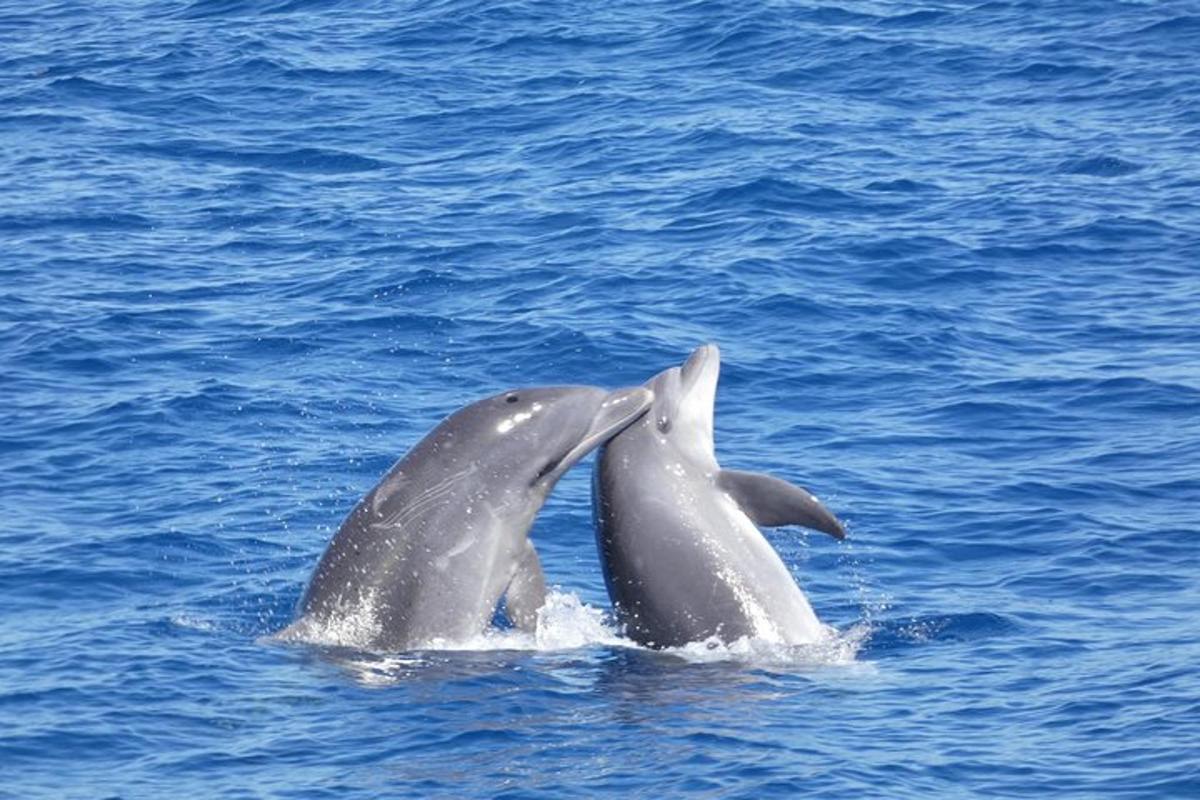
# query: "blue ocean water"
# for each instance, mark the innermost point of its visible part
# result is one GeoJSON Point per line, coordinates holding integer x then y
{"type": "Point", "coordinates": [250, 252]}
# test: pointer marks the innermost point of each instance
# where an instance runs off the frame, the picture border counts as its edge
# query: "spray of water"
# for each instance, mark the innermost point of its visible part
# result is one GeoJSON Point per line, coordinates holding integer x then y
{"type": "Point", "coordinates": [566, 623]}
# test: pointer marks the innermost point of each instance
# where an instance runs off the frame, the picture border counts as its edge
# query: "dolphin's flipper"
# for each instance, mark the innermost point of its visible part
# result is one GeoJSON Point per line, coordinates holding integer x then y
{"type": "Point", "coordinates": [772, 502]}
{"type": "Point", "coordinates": [527, 590]}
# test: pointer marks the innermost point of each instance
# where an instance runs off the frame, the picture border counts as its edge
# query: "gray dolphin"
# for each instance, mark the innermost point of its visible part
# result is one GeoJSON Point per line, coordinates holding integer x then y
{"type": "Point", "coordinates": [682, 556]}
{"type": "Point", "coordinates": [427, 554]}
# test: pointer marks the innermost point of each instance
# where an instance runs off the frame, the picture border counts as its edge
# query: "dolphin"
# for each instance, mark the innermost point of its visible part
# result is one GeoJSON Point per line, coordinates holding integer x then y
{"type": "Point", "coordinates": [682, 557]}
{"type": "Point", "coordinates": [427, 554]}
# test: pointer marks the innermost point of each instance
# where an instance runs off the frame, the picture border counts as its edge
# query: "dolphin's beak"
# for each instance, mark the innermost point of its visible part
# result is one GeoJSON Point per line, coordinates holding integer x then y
{"type": "Point", "coordinates": [702, 366]}
{"type": "Point", "coordinates": [697, 393]}
{"type": "Point", "coordinates": [618, 410]}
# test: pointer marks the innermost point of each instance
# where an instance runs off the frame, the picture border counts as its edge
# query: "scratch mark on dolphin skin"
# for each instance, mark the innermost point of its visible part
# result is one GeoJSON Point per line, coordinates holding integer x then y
{"type": "Point", "coordinates": [461, 547]}
{"type": "Point", "coordinates": [442, 562]}
{"type": "Point", "coordinates": [424, 500]}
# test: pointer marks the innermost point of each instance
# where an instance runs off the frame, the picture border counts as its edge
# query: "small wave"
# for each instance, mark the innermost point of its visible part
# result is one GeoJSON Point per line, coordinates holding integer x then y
{"type": "Point", "coordinates": [75, 223]}
{"type": "Point", "coordinates": [299, 160]}
{"type": "Point", "coordinates": [1175, 27]}
{"type": "Point", "coordinates": [39, 120]}
{"type": "Point", "coordinates": [901, 186]}
{"type": "Point", "coordinates": [204, 9]}
{"type": "Point", "coordinates": [86, 88]}
{"type": "Point", "coordinates": [1099, 166]}
{"type": "Point", "coordinates": [193, 623]}
{"type": "Point", "coordinates": [1050, 71]}
{"type": "Point", "coordinates": [914, 19]}
{"type": "Point", "coordinates": [773, 195]}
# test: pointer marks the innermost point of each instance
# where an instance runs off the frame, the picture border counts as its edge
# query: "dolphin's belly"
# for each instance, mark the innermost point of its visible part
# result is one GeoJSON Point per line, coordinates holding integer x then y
{"type": "Point", "coordinates": [770, 596]}
{"type": "Point", "coordinates": [456, 587]}
{"type": "Point", "coordinates": [683, 563]}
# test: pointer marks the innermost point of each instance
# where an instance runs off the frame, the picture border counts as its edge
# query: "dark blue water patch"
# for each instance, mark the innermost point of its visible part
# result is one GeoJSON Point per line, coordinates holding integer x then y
{"type": "Point", "coordinates": [913, 19]}
{"type": "Point", "coordinates": [910, 250]}
{"type": "Point", "coordinates": [775, 195]}
{"type": "Point", "coordinates": [1050, 71]}
{"type": "Point", "coordinates": [921, 275]}
{"type": "Point", "coordinates": [76, 88]}
{"type": "Point", "coordinates": [299, 160]}
{"type": "Point", "coordinates": [829, 15]}
{"type": "Point", "coordinates": [39, 120]}
{"type": "Point", "coordinates": [544, 44]}
{"type": "Point", "coordinates": [741, 39]}
{"type": "Point", "coordinates": [1117, 230]}
{"type": "Point", "coordinates": [85, 222]}
{"type": "Point", "coordinates": [239, 8]}
{"type": "Point", "coordinates": [790, 305]}
{"type": "Point", "coordinates": [72, 585]}
{"type": "Point", "coordinates": [1100, 167]}
{"type": "Point", "coordinates": [1136, 394]}
{"type": "Point", "coordinates": [1185, 29]}
{"type": "Point", "coordinates": [901, 185]}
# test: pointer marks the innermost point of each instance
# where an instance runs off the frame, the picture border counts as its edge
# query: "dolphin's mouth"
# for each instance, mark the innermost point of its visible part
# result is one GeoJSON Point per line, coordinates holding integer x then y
{"type": "Point", "coordinates": [617, 411]}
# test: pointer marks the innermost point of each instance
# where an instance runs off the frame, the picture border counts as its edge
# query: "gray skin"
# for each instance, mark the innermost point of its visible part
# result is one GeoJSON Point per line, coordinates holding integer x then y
{"type": "Point", "coordinates": [428, 553]}
{"type": "Point", "coordinates": [682, 556]}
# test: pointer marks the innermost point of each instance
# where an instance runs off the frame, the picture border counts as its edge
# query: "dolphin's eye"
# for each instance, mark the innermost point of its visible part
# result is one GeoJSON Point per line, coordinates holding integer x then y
{"type": "Point", "coordinates": [512, 398]}
{"type": "Point", "coordinates": [664, 425]}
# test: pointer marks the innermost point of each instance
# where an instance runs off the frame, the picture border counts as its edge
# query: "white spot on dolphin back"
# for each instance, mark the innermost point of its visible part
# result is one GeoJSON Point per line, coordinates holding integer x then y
{"type": "Point", "coordinates": [508, 423]}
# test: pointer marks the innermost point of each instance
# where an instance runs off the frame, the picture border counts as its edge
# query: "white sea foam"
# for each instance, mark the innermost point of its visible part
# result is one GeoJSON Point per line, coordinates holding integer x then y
{"type": "Point", "coordinates": [355, 626]}
{"type": "Point", "coordinates": [834, 648]}
{"type": "Point", "coordinates": [193, 622]}
{"type": "Point", "coordinates": [567, 623]}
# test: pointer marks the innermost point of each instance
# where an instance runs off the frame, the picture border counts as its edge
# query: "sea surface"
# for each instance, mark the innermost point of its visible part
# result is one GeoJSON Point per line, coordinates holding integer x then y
{"type": "Point", "coordinates": [251, 252]}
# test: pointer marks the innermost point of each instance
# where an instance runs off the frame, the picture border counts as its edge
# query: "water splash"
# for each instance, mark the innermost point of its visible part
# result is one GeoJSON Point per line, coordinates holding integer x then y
{"type": "Point", "coordinates": [194, 623]}
{"type": "Point", "coordinates": [565, 623]}
{"type": "Point", "coordinates": [834, 648]}
{"type": "Point", "coordinates": [353, 626]}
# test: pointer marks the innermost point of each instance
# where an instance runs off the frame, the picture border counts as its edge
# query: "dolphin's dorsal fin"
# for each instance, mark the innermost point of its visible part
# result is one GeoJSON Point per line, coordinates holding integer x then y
{"type": "Point", "coordinates": [772, 502]}
{"type": "Point", "coordinates": [526, 591]}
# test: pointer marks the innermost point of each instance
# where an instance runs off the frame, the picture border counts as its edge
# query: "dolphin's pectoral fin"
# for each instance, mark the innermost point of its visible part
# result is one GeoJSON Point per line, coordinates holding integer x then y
{"type": "Point", "coordinates": [772, 502]}
{"type": "Point", "coordinates": [526, 591]}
